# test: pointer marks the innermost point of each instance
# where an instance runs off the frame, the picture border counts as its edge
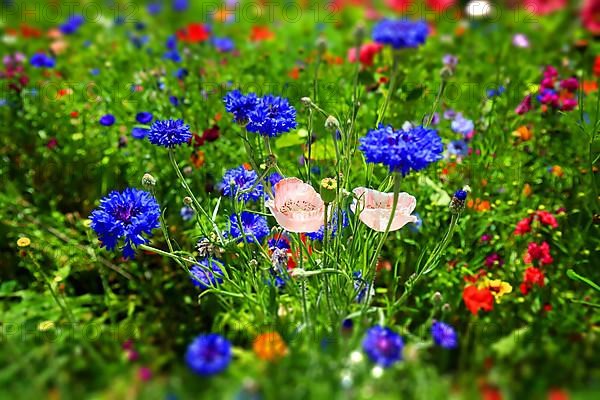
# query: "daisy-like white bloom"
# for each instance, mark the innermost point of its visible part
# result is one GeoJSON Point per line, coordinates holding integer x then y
{"type": "Point", "coordinates": [297, 206]}
{"type": "Point", "coordinates": [374, 209]}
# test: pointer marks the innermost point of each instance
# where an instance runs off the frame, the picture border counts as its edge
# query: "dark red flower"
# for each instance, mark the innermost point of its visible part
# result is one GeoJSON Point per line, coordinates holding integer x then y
{"type": "Point", "coordinates": [211, 134]}
{"type": "Point", "coordinates": [547, 218]}
{"type": "Point", "coordinates": [532, 277]}
{"type": "Point", "coordinates": [539, 252]}
{"type": "Point", "coordinates": [523, 226]}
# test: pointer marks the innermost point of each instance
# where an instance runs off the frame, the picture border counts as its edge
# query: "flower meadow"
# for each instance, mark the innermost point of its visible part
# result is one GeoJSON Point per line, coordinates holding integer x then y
{"type": "Point", "coordinates": [349, 199]}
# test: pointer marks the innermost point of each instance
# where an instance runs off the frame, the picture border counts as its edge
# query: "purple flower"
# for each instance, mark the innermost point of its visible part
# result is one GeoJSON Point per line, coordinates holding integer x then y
{"type": "Point", "coordinates": [458, 148]}
{"type": "Point", "coordinates": [462, 125]}
{"type": "Point", "coordinates": [143, 117]}
{"type": "Point", "coordinates": [444, 335]}
{"type": "Point", "coordinates": [383, 346]}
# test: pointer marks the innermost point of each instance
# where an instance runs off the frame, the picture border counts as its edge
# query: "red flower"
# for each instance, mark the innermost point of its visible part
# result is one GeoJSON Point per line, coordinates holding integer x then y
{"type": "Point", "coordinates": [475, 277]}
{"type": "Point", "coordinates": [440, 5]}
{"type": "Point", "coordinates": [193, 33]}
{"type": "Point", "coordinates": [366, 53]}
{"type": "Point", "coordinates": [542, 7]}
{"type": "Point", "coordinates": [398, 5]}
{"type": "Point", "coordinates": [260, 33]}
{"type": "Point", "coordinates": [547, 218]}
{"type": "Point", "coordinates": [476, 299]}
{"type": "Point", "coordinates": [532, 277]}
{"type": "Point", "coordinates": [538, 252]}
{"type": "Point", "coordinates": [590, 16]}
{"type": "Point", "coordinates": [523, 226]}
{"type": "Point", "coordinates": [211, 134]}
{"type": "Point", "coordinates": [597, 66]}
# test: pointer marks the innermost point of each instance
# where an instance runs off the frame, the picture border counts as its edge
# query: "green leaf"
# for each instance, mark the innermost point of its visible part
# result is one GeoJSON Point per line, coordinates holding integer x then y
{"type": "Point", "coordinates": [576, 277]}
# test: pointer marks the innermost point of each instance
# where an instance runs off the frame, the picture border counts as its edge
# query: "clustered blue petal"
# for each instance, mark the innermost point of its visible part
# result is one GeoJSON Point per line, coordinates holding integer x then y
{"type": "Point", "coordinates": [240, 105]}
{"type": "Point", "coordinates": [444, 335]}
{"type": "Point", "coordinates": [143, 117]}
{"type": "Point", "coordinates": [139, 132]}
{"type": "Point", "coordinates": [208, 354]}
{"type": "Point", "coordinates": [41, 60]}
{"type": "Point", "coordinates": [362, 288]}
{"type": "Point", "coordinates": [458, 148]}
{"type": "Point", "coordinates": [237, 180]}
{"type": "Point", "coordinates": [383, 346]}
{"type": "Point", "coordinates": [126, 215]}
{"type": "Point", "coordinates": [272, 116]}
{"type": "Point", "coordinates": [72, 24]}
{"type": "Point", "coordinates": [169, 133]}
{"type": "Point", "coordinates": [461, 194]}
{"type": "Point", "coordinates": [400, 33]}
{"type": "Point", "coordinates": [107, 120]}
{"type": "Point", "coordinates": [223, 44]}
{"type": "Point", "coordinates": [402, 150]}
{"type": "Point", "coordinates": [254, 226]}
{"type": "Point", "coordinates": [207, 273]}
{"type": "Point", "coordinates": [332, 227]}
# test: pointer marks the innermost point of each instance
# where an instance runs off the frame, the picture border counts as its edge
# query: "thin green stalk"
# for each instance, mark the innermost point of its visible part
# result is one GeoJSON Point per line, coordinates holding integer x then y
{"type": "Point", "coordinates": [394, 73]}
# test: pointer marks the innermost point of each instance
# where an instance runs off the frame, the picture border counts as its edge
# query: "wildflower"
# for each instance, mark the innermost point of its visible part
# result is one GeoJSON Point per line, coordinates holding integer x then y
{"type": "Point", "coordinates": [223, 44]}
{"type": "Point", "coordinates": [450, 62]}
{"type": "Point", "coordinates": [72, 24]}
{"type": "Point", "coordinates": [476, 299]}
{"type": "Point", "coordinates": [274, 178]}
{"type": "Point", "coordinates": [525, 106]}
{"type": "Point", "coordinates": [440, 5]}
{"type": "Point", "coordinates": [523, 227]}
{"type": "Point", "coordinates": [107, 120]}
{"type": "Point", "coordinates": [41, 60]}
{"type": "Point", "coordinates": [254, 227]}
{"type": "Point", "coordinates": [543, 7]}
{"type": "Point", "coordinates": [539, 252]}
{"type": "Point", "coordinates": [497, 287]}
{"type": "Point", "coordinates": [462, 125]}
{"type": "Point", "coordinates": [261, 33]}
{"type": "Point", "coordinates": [169, 133]}
{"type": "Point", "coordinates": [523, 133]}
{"type": "Point", "coordinates": [374, 209]}
{"type": "Point", "coordinates": [279, 241]}
{"type": "Point", "coordinates": [383, 346]}
{"type": "Point", "coordinates": [532, 277]}
{"type": "Point", "coordinates": [297, 207]}
{"type": "Point", "coordinates": [145, 374]}
{"type": "Point", "coordinates": [242, 184]}
{"type": "Point", "coordinates": [332, 227]}
{"type": "Point", "coordinates": [444, 335]}
{"type": "Point", "coordinates": [269, 346]}
{"type": "Point", "coordinates": [364, 291]}
{"type": "Point", "coordinates": [458, 148]}
{"type": "Point", "coordinates": [400, 33]}
{"type": "Point", "coordinates": [186, 213]}
{"type": "Point", "coordinates": [366, 53]}
{"type": "Point", "coordinates": [403, 151]}
{"type": "Point", "coordinates": [126, 215]}
{"type": "Point", "coordinates": [457, 204]}
{"type": "Point", "coordinates": [23, 242]}
{"type": "Point", "coordinates": [143, 117]}
{"type": "Point", "coordinates": [208, 354]}
{"type": "Point", "coordinates": [139, 132]}
{"type": "Point", "coordinates": [271, 116]}
{"type": "Point", "coordinates": [193, 33]}
{"type": "Point", "coordinates": [206, 274]}
{"type": "Point", "coordinates": [494, 260]}
{"type": "Point", "coordinates": [520, 40]}
{"type": "Point", "coordinates": [240, 105]}
{"type": "Point", "coordinates": [546, 218]}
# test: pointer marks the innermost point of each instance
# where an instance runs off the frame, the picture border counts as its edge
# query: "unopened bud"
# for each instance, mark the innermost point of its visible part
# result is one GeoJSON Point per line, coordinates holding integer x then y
{"type": "Point", "coordinates": [148, 181]}
{"type": "Point", "coordinates": [457, 204]}
{"type": "Point", "coordinates": [332, 123]}
{"type": "Point", "coordinates": [321, 45]}
{"type": "Point", "coordinates": [306, 101]}
{"type": "Point", "coordinates": [437, 298]}
{"type": "Point", "coordinates": [360, 32]}
{"type": "Point", "coordinates": [187, 201]}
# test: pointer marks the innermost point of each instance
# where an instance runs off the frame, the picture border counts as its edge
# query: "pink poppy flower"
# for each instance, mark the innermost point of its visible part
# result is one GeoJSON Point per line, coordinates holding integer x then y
{"type": "Point", "coordinates": [375, 209]}
{"type": "Point", "coordinates": [297, 206]}
{"type": "Point", "coordinates": [590, 16]}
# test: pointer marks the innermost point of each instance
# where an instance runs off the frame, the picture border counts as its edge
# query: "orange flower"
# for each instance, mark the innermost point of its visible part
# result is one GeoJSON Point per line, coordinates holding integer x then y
{"type": "Point", "coordinates": [557, 171]}
{"type": "Point", "coordinates": [479, 205]}
{"type": "Point", "coordinates": [589, 87]}
{"type": "Point", "coordinates": [523, 133]}
{"type": "Point", "coordinates": [294, 73]}
{"type": "Point", "coordinates": [527, 190]}
{"type": "Point", "coordinates": [269, 346]}
{"type": "Point", "coordinates": [197, 158]}
{"type": "Point", "coordinates": [260, 33]}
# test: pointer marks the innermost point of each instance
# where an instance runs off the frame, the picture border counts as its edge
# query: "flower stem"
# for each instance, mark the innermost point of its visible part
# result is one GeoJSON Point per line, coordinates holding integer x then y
{"type": "Point", "coordinates": [394, 72]}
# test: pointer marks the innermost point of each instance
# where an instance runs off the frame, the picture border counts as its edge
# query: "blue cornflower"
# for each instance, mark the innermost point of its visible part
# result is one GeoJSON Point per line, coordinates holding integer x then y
{"type": "Point", "coordinates": [444, 335]}
{"type": "Point", "coordinates": [139, 132]}
{"type": "Point", "coordinates": [237, 180]}
{"type": "Point", "coordinates": [458, 148]}
{"type": "Point", "coordinates": [362, 289]}
{"type": "Point", "coordinates": [274, 178]}
{"type": "Point", "coordinates": [186, 213]}
{"type": "Point", "coordinates": [143, 117]}
{"type": "Point", "coordinates": [107, 120]}
{"type": "Point", "coordinates": [495, 92]}
{"type": "Point", "coordinates": [94, 71]}
{"type": "Point", "coordinates": [154, 8]}
{"type": "Point", "coordinates": [223, 44]}
{"type": "Point", "coordinates": [400, 33]}
{"type": "Point", "coordinates": [462, 125]}
{"type": "Point", "coordinates": [272, 116]}
{"type": "Point", "coordinates": [413, 149]}
{"type": "Point", "coordinates": [171, 42]}
{"type": "Point", "coordinates": [72, 24]}
{"type": "Point", "coordinates": [383, 346]}
{"type": "Point", "coordinates": [240, 105]}
{"type": "Point", "coordinates": [254, 226]}
{"type": "Point", "coordinates": [208, 354]}
{"type": "Point", "coordinates": [41, 60]}
{"type": "Point", "coordinates": [172, 55]}
{"type": "Point", "coordinates": [461, 194]}
{"type": "Point", "coordinates": [279, 242]}
{"type": "Point", "coordinates": [181, 73]}
{"type": "Point", "coordinates": [169, 133]}
{"type": "Point", "coordinates": [126, 215]}
{"type": "Point", "coordinates": [332, 227]}
{"type": "Point", "coordinates": [416, 227]}
{"type": "Point", "coordinates": [174, 100]}
{"type": "Point", "coordinates": [180, 5]}
{"type": "Point", "coordinates": [207, 274]}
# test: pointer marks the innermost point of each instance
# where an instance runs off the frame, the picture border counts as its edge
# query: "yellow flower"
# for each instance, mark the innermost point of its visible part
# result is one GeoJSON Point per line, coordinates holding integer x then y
{"type": "Point", "coordinates": [498, 288]}
{"type": "Point", "coordinates": [23, 242]}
